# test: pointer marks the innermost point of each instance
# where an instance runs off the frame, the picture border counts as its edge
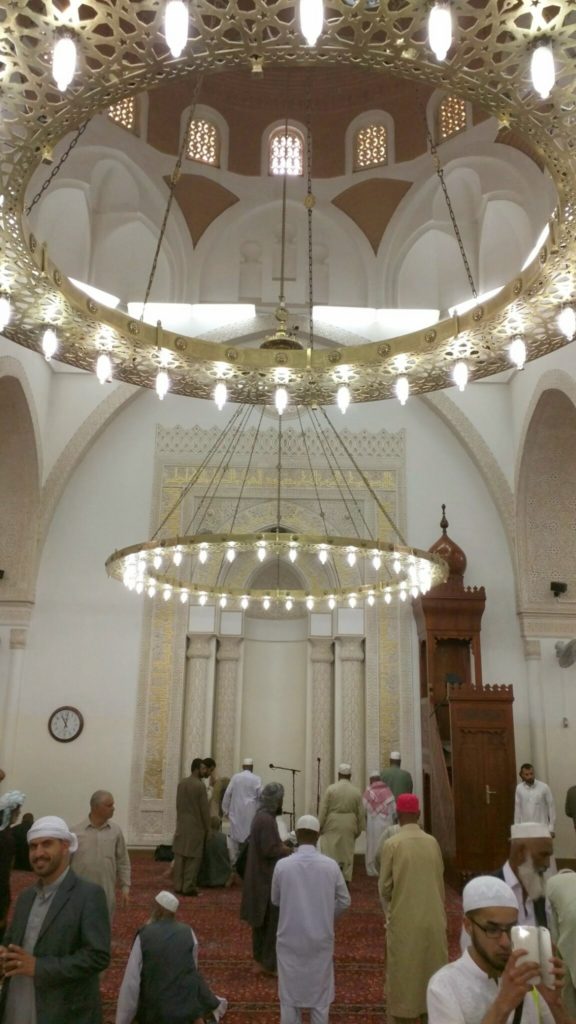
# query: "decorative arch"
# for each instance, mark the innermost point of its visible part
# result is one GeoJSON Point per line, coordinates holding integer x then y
{"type": "Point", "coordinates": [19, 486]}
{"type": "Point", "coordinates": [546, 506]}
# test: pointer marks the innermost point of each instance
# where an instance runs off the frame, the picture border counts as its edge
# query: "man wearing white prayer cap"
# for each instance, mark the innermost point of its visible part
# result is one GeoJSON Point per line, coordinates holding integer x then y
{"type": "Point", "coordinates": [59, 938]}
{"type": "Point", "coordinates": [240, 803]}
{"type": "Point", "coordinates": [487, 985]}
{"type": "Point", "coordinates": [342, 820]}
{"type": "Point", "coordinates": [395, 777]}
{"type": "Point", "coordinates": [162, 983]}
{"type": "Point", "coordinates": [311, 893]}
{"type": "Point", "coordinates": [531, 848]}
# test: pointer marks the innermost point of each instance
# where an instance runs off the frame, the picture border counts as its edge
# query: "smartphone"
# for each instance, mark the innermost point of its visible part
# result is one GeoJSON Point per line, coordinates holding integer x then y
{"type": "Point", "coordinates": [538, 945]}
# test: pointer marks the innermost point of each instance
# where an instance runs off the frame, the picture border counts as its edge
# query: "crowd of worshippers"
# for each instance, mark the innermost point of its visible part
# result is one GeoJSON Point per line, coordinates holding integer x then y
{"type": "Point", "coordinates": [295, 885]}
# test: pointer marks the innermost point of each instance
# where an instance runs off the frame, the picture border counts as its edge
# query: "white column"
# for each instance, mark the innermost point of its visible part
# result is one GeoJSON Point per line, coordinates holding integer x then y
{"type": "Point", "coordinates": [227, 703]}
{"type": "Point", "coordinates": [198, 700]}
{"type": "Point", "coordinates": [536, 712]}
{"type": "Point", "coordinates": [349, 737]}
{"type": "Point", "coordinates": [319, 730]}
{"type": "Point", "coordinates": [18, 639]}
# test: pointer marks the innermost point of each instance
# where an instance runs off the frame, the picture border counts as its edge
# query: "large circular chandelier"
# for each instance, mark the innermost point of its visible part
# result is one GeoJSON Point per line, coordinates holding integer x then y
{"type": "Point", "coordinates": [123, 46]}
{"type": "Point", "coordinates": [372, 564]}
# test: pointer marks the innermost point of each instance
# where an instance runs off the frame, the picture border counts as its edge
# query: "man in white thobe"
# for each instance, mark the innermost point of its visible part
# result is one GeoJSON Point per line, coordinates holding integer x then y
{"type": "Point", "coordinates": [534, 800]}
{"type": "Point", "coordinates": [240, 803]}
{"type": "Point", "coordinates": [487, 983]}
{"type": "Point", "coordinates": [380, 807]}
{"type": "Point", "coordinates": [311, 893]}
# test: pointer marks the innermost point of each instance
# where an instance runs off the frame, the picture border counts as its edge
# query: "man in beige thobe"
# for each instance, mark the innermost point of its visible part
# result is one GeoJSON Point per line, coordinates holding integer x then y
{"type": "Point", "coordinates": [342, 819]}
{"type": "Point", "coordinates": [561, 895]}
{"type": "Point", "coordinates": [102, 856]}
{"type": "Point", "coordinates": [411, 887]}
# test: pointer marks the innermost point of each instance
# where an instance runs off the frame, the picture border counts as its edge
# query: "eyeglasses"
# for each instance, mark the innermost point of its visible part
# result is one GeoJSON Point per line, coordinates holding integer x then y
{"type": "Point", "coordinates": [494, 931]}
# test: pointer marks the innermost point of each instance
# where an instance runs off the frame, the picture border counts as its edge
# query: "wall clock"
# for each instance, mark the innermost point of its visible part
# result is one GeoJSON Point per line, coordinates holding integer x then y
{"type": "Point", "coordinates": [65, 724]}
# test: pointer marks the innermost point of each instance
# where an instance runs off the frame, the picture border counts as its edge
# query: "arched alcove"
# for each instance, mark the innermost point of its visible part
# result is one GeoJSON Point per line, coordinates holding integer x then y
{"type": "Point", "coordinates": [546, 510]}
{"type": "Point", "coordinates": [19, 489]}
{"type": "Point", "coordinates": [63, 222]}
{"type": "Point", "coordinates": [505, 238]}
{"type": "Point", "coordinates": [432, 274]}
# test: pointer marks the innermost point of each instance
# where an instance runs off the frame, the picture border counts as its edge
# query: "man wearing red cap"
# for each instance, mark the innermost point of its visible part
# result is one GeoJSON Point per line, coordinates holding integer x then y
{"type": "Point", "coordinates": [411, 887]}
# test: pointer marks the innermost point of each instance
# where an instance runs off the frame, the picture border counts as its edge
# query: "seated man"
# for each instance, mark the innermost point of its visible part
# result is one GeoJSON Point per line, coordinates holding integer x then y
{"type": "Point", "coordinates": [486, 985]}
{"type": "Point", "coordinates": [162, 983]}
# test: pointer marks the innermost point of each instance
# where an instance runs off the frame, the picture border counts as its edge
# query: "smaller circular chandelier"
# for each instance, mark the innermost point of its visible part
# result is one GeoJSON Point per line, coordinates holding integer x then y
{"type": "Point", "coordinates": [320, 571]}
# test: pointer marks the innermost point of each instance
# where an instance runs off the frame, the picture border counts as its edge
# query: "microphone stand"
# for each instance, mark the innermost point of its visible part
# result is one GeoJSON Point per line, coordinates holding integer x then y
{"type": "Point", "coordinates": [318, 787]}
{"type": "Point", "coordinates": [295, 771]}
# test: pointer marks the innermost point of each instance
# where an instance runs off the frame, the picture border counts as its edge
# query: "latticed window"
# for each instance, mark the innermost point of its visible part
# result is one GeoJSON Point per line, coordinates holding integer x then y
{"type": "Point", "coordinates": [451, 116]}
{"type": "Point", "coordinates": [124, 112]}
{"type": "Point", "coordinates": [204, 142]}
{"type": "Point", "coordinates": [371, 147]}
{"type": "Point", "coordinates": [286, 152]}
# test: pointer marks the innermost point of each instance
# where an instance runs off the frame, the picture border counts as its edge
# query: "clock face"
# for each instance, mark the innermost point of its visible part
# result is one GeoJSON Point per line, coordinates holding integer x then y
{"type": "Point", "coordinates": [65, 724]}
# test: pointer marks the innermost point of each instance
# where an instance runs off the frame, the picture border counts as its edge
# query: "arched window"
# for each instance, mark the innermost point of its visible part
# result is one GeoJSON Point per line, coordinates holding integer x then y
{"type": "Point", "coordinates": [371, 147]}
{"type": "Point", "coordinates": [203, 142]}
{"type": "Point", "coordinates": [286, 152]}
{"type": "Point", "coordinates": [124, 112]}
{"type": "Point", "coordinates": [452, 117]}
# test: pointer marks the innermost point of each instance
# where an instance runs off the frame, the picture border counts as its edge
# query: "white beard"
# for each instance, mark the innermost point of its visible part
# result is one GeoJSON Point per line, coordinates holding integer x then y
{"type": "Point", "coordinates": [533, 882]}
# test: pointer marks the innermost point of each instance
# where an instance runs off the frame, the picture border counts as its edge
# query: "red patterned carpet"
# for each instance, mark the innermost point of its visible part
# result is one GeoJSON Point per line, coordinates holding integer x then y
{"type": "Point", "coordinates": [225, 947]}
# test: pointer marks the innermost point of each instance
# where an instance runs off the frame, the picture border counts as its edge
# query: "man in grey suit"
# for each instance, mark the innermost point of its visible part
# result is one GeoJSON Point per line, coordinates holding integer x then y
{"type": "Point", "coordinates": [59, 938]}
{"type": "Point", "coordinates": [192, 828]}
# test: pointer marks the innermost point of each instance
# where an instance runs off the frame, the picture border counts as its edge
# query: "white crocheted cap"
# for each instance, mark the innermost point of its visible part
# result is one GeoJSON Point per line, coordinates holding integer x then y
{"type": "Point", "coordinates": [309, 822]}
{"type": "Point", "coordinates": [168, 901]}
{"type": "Point", "coordinates": [487, 891]}
{"type": "Point", "coordinates": [530, 830]}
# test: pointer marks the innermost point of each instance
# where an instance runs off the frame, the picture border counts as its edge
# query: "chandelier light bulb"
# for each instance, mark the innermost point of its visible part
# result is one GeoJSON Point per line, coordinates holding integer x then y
{"type": "Point", "coordinates": [176, 26]}
{"type": "Point", "coordinates": [177, 557]}
{"type": "Point", "coordinates": [343, 398]}
{"type": "Point", "coordinates": [371, 599]}
{"type": "Point", "coordinates": [311, 20]}
{"type": "Point", "coordinates": [5, 311]}
{"type": "Point", "coordinates": [310, 603]}
{"type": "Point", "coordinates": [162, 384]}
{"type": "Point", "coordinates": [289, 604]}
{"type": "Point", "coordinates": [517, 352]}
{"type": "Point", "coordinates": [387, 596]}
{"type": "Point", "coordinates": [331, 603]}
{"type": "Point", "coordinates": [49, 344]}
{"type": "Point", "coordinates": [414, 591]}
{"type": "Point", "coordinates": [103, 367]}
{"type": "Point", "coordinates": [376, 561]}
{"type": "Point", "coordinates": [396, 565]}
{"type": "Point", "coordinates": [230, 554]}
{"type": "Point", "coordinates": [157, 562]}
{"type": "Point", "coordinates": [542, 69]}
{"type": "Point", "coordinates": [223, 601]}
{"type": "Point", "coordinates": [281, 400]}
{"type": "Point", "coordinates": [261, 552]}
{"type": "Point", "coordinates": [323, 556]}
{"type": "Point", "coordinates": [567, 322]}
{"type": "Point", "coordinates": [293, 553]}
{"type": "Point", "coordinates": [266, 604]}
{"type": "Point", "coordinates": [403, 594]}
{"type": "Point", "coordinates": [202, 599]}
{"type": "Point", "coordinates": [167, 593]}
{"type": "Point", "coordinates": [440, 30]}
{"type": "Point", "coordinates": [460, 374]}
{"type": "Point", "coordinates": [151, 590]}
{"type": "Point", "coordinates": [351, 558]}
{"type": "Point", "coordinates": [184, 595]}
{"type": "Point", "coordinates": [64, 61]}
{"type": "Point", "coordinates": [139, 587]}
{"type": "Point", "coordinates": [220, 395]}
{"type": "Point", "coordinates": [352, 600]}
{"type": "Point", "coordinates": [244, 603]}
{"type": "Point", "coordinates": [402, 389]}
{"type": "Point", "coordinates": [203, 555]}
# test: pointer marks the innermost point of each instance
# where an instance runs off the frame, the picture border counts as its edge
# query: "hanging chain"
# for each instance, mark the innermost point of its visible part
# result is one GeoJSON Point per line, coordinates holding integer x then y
{"type": "Point", "coordinates": [309, 203]}
{"type": "Point", "coordinates": [174, 178]}
{"type": "Point", "coordinates": [46, 184]}
{"type": "Point", "coordinates": [440, 173]}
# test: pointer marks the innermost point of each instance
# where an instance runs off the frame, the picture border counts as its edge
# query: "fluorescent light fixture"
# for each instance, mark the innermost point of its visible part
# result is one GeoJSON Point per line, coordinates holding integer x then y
{"type": "Point", "coordinates": [189, 318]}
{"type": "Point", "coordinates": [463, 307]}
{"type": "Point", "coordinates": [105, 298]}
{"type": "Point", "coordinates": [385, 323]}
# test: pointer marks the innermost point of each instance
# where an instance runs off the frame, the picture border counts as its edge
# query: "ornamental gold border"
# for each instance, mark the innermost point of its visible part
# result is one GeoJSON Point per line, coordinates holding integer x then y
{"type": "Point", "coordinates": [123, 53]}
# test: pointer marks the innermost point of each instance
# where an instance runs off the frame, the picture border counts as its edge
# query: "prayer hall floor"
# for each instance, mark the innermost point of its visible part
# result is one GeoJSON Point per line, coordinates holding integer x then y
{"type": "Point", "coordinates": [225, 947]}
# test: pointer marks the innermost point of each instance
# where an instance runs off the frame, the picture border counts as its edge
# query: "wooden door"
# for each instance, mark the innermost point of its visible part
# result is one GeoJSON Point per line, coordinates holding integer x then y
{"type": "Point", "coordinates": [483, 786]}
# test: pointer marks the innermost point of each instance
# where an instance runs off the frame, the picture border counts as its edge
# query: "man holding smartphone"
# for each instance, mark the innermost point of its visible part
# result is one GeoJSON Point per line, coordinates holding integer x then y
{"type": "Point", "coordinates": [489, 984]}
